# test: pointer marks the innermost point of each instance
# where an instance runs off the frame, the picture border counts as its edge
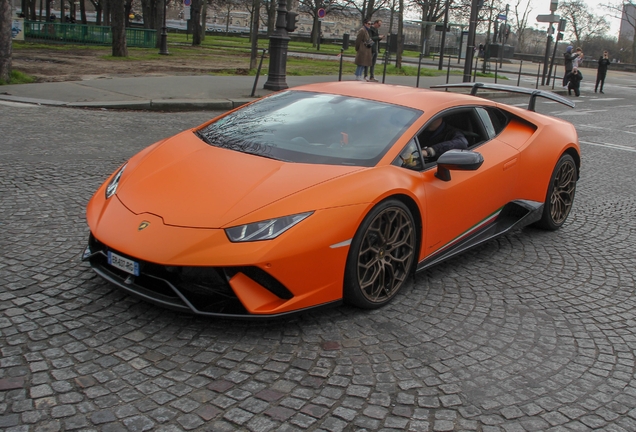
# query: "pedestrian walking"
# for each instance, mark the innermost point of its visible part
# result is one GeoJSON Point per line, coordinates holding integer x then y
{"type": "Point", "coordinates": [364, 56]}
{"type": "Point", "coordinates": [603, 63]}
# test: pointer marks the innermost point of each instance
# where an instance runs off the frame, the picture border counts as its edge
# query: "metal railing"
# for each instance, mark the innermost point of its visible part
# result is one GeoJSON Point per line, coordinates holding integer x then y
{"type": "Point", "coordinates": [86, 34]}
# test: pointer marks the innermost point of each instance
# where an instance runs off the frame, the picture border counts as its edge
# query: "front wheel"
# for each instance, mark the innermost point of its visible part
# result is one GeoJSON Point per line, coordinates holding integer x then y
{"type": "Point", "coordinates": [381, 256]}
{"type": "Point", "coordinates": [560, 197]}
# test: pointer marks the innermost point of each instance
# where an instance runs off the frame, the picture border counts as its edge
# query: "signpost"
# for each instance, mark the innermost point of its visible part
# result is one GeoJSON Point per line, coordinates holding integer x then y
{"type": "Point", "coordinates": [550, 19]}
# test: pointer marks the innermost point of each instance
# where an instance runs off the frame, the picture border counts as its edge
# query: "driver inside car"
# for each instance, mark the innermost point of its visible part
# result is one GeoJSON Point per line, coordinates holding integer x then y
{"type": "Point", "coordinates": [439, 137]}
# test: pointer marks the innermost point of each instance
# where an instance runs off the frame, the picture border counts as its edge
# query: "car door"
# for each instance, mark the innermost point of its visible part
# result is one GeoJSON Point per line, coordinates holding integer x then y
{"type": "Point", "coordinates": [457, 208]}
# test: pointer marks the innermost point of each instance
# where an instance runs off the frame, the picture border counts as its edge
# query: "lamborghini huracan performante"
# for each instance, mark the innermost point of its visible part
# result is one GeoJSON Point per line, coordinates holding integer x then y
{"type": "Point", "coordinates": [320, 194]}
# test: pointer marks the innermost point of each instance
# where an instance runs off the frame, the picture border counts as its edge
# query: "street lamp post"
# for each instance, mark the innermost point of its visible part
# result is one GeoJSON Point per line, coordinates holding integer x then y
{"type": "Point", "coordinates": [443, 44]}
{"type": "Point", "coordinates": [163, 46]}
{"type": "Point", "coordinates": [278, 43]}
{"type": "Point", "coordinates": [470, 45]}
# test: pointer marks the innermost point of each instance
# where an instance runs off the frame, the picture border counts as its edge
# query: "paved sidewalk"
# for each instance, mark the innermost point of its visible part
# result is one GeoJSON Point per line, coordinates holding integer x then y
{"type": "Point", "coordinates": [180, 93]}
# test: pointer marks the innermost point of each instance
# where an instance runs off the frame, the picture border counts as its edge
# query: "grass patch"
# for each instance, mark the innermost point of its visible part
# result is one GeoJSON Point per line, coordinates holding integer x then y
{"type": "Point", "coordinates": [18, 77]}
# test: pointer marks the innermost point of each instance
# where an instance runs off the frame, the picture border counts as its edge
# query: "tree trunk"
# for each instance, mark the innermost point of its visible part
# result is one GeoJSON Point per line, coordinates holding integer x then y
{"type": "Point", "coordinates": [5, 40]}
{"type": "Point", "coordinates": [256, 12]}
{"type": "Point", "coordinates": [195, 20]}
{"type": "Point", "coordinates": [33, 9]}
{"type": "Point", "coordinates": [82, 4]}
{"type": "Point", "coordinates": [118, 28]}
{"type": "Point", "coordinates": [314, 30]}
{"type": "Point", "coordinates": [149, 14]}
{"type": "Point", "coordinates": [204, 18]}
{"type": "Point", "coordinates": [98, 5]}
{"type": "Point", "coordinates": [107, 5]}
{"type": "Point", "coordinates": [400, 40]}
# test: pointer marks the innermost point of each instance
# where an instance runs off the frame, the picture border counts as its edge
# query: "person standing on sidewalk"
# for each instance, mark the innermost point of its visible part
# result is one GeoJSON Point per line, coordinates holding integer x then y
{"type": "Point", "coordinates": [374, 33]}
{"type": "Point", "coordinates": [603, 63]}
{"type": "Point", "coordinates": [363, 51]}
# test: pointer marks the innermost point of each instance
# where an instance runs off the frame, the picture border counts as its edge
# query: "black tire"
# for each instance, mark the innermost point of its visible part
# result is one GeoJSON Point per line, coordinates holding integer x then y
{"type": "Point", "coordinates": [381, 256]}
{"type": "Point", "coordinates": [560, 197]}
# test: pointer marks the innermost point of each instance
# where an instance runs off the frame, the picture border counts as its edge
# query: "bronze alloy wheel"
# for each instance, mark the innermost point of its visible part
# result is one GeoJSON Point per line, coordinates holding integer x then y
{"type": "Point", "coordinates": [560, 196]}
{"type": "Point", "coordinates": [385, 254]}
{"type": "Point", "coordinates": [563, 187]}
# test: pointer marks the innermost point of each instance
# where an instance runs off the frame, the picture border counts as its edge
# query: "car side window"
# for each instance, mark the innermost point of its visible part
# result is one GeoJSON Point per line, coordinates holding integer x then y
{"type": "Point", "coordinates": [410, 157]}
{"type": "Point", "coordinates": [494, 120]}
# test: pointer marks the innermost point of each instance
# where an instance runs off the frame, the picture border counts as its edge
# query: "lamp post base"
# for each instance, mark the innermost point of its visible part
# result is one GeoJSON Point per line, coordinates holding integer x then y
{"type": "Point", "coordinates": [277, 76]}
{"type": "Point", "coordinates": [163, 45]}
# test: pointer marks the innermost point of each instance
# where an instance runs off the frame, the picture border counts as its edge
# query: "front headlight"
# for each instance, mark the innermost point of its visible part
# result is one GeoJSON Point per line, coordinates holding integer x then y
{"type": "Point", "coordinates": [112, 186]}
{"type": "Point", "coordinates": [264, 230]}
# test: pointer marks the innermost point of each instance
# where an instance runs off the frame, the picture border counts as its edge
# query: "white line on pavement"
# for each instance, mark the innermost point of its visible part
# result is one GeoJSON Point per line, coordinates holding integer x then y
{"type": "Point", "coordinates": [612, 146]}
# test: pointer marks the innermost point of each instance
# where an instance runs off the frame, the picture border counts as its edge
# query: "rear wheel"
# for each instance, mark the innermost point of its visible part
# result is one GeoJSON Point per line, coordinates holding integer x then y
{"type": "Point", "coordinates": [381, 256]}
{"type": "Point", "coordinates": [560, 197]}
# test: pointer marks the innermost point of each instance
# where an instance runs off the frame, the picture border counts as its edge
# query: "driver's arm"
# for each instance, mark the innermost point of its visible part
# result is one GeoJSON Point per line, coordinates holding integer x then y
{"type": "Point", "coordinates": [458, 141]}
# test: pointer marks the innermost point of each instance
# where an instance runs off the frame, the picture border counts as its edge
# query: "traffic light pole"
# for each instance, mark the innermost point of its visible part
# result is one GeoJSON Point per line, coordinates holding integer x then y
{"type": "Point", "coordinates": [278, 43]}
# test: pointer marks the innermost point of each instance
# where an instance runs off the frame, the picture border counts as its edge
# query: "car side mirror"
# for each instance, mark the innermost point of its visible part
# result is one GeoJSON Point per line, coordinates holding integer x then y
{"type": "Point", "coordinates": [461, 160]}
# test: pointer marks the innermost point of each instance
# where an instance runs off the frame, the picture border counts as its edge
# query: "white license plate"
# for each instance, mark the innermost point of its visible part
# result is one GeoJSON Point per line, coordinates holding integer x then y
{"type": "Point", "coordinates": [125, 264]}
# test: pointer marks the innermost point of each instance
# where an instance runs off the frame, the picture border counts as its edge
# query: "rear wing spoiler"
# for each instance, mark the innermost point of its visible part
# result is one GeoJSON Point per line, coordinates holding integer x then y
{"type": "Point", "coordinates": [512, 89]}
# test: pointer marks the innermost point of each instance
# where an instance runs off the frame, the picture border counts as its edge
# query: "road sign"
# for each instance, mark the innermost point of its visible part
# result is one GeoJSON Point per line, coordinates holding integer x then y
{"type": "Point", "coordinates": [502, 17]}
{"type": "Point", "coordinates": [548, 18]}
{"type": "Point", "coordinates": [186, 12]}
{"type": "Point", "coordinates": [187, 2]}
{"type": "Point", "coordinates": [321, 13]}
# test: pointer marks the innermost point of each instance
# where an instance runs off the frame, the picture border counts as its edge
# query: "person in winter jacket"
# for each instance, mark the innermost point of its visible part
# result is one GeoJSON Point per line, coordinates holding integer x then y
{"type": "Point", "coordinates": [364, 55]}
{"type": "Point", "coordinates": [603, 63]}
{"type": "Point", "coordinates": [570, 58]}
{"type": "Point", "coordinates": [574, 82]}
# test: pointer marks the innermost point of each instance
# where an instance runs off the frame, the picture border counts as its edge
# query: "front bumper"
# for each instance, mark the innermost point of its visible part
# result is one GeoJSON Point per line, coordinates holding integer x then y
{"type": "Point", "coordinates": [206, 291]}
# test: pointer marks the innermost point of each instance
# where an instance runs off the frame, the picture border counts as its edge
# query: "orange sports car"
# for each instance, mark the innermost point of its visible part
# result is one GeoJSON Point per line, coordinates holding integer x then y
{"type": "Point", "coordinates": [327, 193]}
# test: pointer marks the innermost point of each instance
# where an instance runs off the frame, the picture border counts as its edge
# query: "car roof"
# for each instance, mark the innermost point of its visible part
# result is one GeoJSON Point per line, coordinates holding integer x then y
{"type": "Point", "coordinates": [412, 97]}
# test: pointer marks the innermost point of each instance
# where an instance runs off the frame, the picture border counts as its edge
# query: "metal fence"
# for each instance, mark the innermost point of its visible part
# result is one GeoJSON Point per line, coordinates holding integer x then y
{"type": "Point", "coordinates": [86, 34]}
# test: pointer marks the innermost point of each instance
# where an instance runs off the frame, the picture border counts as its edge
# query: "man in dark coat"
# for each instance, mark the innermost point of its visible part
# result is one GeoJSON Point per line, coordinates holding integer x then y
{"type": "Point", "coordinates": [603, 63]}
{"type": "Point", "coordinates": [374, 33]}
{"type": "Point", "coordinates": [363, 51]}
{"type": "Point", "coordinates": [440, 137]}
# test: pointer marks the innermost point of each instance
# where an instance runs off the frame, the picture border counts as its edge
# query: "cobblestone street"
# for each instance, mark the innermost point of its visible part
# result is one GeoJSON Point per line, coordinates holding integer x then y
{"type": "Point", "coordinates": [534, 331]}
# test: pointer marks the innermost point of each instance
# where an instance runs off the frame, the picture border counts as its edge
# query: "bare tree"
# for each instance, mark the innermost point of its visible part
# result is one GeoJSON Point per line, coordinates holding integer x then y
{"type": "Point", "coordinates": [583, 24]}
{"type": "Point", "coordinates": [5, 40]}
{"type": "Point", "coordinates": [120, 49]}
{"type": "Point", "coordinates": [431, 11]}
{"type": "Point", "coordinates": [367, 8]}
{"type": "Point", "coordinates": [520, 22]}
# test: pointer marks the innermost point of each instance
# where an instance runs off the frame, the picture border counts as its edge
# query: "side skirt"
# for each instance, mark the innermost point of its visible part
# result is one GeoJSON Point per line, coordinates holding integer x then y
{"type": "Point", "coordinates": [515, 214]}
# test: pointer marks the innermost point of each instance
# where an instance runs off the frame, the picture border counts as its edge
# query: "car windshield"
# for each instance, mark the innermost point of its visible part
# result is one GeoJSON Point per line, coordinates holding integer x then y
{"type": "Point", "coordinates": [305, 127]}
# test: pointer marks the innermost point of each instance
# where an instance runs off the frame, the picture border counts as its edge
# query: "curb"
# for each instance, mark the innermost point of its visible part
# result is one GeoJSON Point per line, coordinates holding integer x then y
{"type": "Point", "coordinates": [145, 105]}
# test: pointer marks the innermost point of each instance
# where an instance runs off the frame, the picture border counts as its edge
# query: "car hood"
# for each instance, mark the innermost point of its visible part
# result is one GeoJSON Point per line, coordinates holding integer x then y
{"type": "Point", "coordinates": [190, 183]}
